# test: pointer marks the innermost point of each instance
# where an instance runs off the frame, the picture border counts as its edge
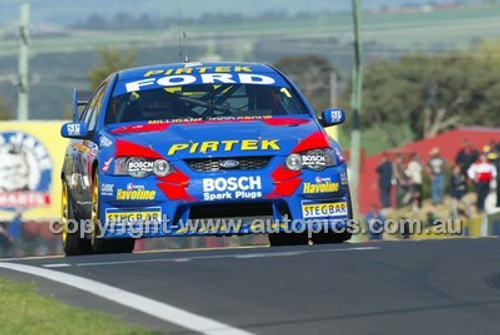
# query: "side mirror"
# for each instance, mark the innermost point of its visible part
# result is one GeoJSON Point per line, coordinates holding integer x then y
{"type": "Point", "coordinates": [332, 116]}
{"type": "Point", "coordinates": [74, 130]}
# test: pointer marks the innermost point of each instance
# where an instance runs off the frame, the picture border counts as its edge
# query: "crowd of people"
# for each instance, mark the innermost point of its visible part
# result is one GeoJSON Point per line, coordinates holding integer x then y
{"type": "Point", "coordinates": [403, 179]}
{"type": "Point", "coordinates": [20, 238]}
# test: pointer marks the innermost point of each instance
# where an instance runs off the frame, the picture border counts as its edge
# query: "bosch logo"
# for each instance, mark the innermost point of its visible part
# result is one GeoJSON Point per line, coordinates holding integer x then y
{"type": "Point", "coordinates": [232, 184]}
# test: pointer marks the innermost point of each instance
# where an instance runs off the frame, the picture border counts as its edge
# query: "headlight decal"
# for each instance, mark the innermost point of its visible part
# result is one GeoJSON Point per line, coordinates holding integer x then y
{"type": "Point", "coordinates": [314, 141]}
{"type": "Point", "coordinates": [313, 153]}
{"type": "Point", "coordinates": [129, 149]}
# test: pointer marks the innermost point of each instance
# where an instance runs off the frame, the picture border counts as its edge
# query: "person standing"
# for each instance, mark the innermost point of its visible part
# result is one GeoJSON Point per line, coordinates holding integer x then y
{"type": "Point", "coordinates": [414, 173]}
{"type": "Point", "coordinates": [466, 156]}
{"type": "Point", "coordinates": [436, 167]}
{"type": "Point", "coordinates": [482, 173]}
{"type": "Point", "coordinates": [384, 171]}
{"type": "Point", "coordinates": [458, 193]}
{"type": "Point", "coordinates": [492, 150]}
{"type": "Point", "coordinates": [15, 234]}
{"type": "Point", "coordinates": [401, 182]}
{"type": "Point", "coordinates": [5, 240]}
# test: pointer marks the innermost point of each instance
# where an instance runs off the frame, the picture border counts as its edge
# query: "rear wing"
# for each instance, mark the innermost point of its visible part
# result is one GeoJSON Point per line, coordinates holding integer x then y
{"type": "Point", "coordinates": [80, 101]}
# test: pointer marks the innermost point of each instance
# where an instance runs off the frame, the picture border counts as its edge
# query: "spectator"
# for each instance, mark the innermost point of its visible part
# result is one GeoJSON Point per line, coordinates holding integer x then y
{"type": "Point", "coordinates": [414, 173]}
{"type": "Point", "coordinates": [482, 173]}
{"type": "Point", "coordinates": [15, 234]}
{"type": "Point", "coordinates": [432, 219]}
{"type": "Point", "coordinates": [458, 193]}
{"type": "Point", "coordinates": [436, 167]}
{"type": "Point", "coordinates": [492, 152]}
{"type": "Point", "coordinates": [375, 221]}
{"type": "Point", "coordinates": [405, 228]}
{"type": "Point", "coordinates": [401, 180]}
{"type": "Point", "coordinates": [384, 171]}
{"type": "Point", "coordinates": [466, 156]}
{"type": "Point", "coordinates": [496, 148]}
{"type": "Point", "coordinates": [5, 240]}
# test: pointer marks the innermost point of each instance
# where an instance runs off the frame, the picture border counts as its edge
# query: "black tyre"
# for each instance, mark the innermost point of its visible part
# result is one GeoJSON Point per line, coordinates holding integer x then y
{"type": "Point", "coordinates": [330, 237]}
{"type": "Point", "coordinates": [113, 246]}
{"type": "Point", "coordinates": [73, 244]}
{"type": "Point", "coordinates": [281, 239]}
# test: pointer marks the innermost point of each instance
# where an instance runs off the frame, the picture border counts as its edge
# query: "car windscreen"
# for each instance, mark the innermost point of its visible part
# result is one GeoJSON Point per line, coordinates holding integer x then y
{"type": "Point", "coordinates": [204, 102]}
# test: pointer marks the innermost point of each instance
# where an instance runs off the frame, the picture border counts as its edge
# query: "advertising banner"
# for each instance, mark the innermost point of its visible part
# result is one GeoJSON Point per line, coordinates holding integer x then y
{"type": "Point", "coordinates": [31, 157]}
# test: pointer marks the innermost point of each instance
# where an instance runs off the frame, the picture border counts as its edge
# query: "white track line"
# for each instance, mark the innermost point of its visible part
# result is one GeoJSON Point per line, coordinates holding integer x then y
{"type": "Point", "coordinates": [151, 307]}
{"type": "Point", "coordinates": [57, 265]}
{"type": "Point", "coordinates": [235, 255]}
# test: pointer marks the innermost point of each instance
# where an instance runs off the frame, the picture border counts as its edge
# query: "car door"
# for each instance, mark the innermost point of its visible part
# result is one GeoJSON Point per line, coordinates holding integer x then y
{"type": "Point", "coordinates": [86, 151]}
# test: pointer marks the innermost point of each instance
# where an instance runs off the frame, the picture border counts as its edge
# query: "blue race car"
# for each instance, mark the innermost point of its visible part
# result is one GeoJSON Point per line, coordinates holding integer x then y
{"type": "Point", "coordinates": [196, 149]}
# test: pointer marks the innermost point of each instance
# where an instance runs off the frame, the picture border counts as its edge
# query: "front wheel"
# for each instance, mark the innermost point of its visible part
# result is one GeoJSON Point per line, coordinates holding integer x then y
{"type": "Point", "coordinates": [73, 243]}
{"type": "Point", "coordinates": [99, 244]}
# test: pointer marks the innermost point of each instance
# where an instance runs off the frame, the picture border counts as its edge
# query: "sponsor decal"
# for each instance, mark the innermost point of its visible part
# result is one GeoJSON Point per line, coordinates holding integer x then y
{"type": "Point", "coordinates": [320, 180]}
{"type": "Point", "coordinates": [205, 78]}
{"type": "Point", "coordinates": [74, 129]}
{"type": "Point", "coordinates": [25, 172]}
{"type": "Point", "coordinates": [107, 189]}
{"type": "Point", "coordinates": [135, 192]}
{"type": "Point", "coordinates": [318, 210]}
{"type": "Point", "coordinates": [130, 216]}
{"type": "Point", "coordinates": [216, 118]}
{"type": "Point", "coordinates": [198, 69]}
{"type": "Point", "coordinates": [323, 187]}
{"type": "Point", "coordinates": [139, 166]}
{"type": "Point", "coordinates": [107, 164]}
{"type": "Point", "coordinates": [225, 145]}
{"type": "Point", "coordinates": [339, 155]}
{"type": "Point", "coordinates": [105, 142]}
{"type": "Point", "coordinates": [315, 159]}
{"type": "Point", "coordinates": [343, 178]}
{"type": "Point", "coordinates": [245, 187]}
{"type": "Point", "coordinates": [336, 115]}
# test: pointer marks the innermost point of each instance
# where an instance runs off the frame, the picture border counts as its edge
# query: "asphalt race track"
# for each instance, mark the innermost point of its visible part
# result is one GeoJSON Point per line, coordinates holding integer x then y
{"type": "Point", "coordinates": [412, 287]}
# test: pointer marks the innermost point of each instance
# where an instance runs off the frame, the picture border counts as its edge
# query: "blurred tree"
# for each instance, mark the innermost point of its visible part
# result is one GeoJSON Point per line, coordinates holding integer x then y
{"type": "Point", "coordinates": [488, 51]}
{"type": "Point", "coordinates": [312, 75]}
{"type": "Point", "coordinates": [113, 60]}
{"type": "Point", "coordinates": [96, 22]}
{"type": "Point", "coordinates": [429, 94]}
{"type": "Point", "coordinates": [6, 112]}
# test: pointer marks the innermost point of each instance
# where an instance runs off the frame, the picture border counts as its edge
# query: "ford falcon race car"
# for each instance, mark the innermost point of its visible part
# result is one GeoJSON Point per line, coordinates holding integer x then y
{"type": "Point", "coordinates": [195, 149]}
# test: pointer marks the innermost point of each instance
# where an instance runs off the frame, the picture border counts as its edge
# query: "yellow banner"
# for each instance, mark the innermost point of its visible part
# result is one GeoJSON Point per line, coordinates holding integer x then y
{"type": "Point", "coordinates": [31, 158]}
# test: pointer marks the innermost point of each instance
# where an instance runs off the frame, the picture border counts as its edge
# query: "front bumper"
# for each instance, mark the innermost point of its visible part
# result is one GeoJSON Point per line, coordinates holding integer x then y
{"type": "Point", "coordinates": [185, 202]}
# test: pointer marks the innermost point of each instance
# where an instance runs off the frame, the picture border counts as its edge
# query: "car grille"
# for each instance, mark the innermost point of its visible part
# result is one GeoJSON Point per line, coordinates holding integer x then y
{"type": "Point", "coordinates": [214, 164]}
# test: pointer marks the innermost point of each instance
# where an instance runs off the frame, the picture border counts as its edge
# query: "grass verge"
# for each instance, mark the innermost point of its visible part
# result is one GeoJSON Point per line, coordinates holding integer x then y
{"type": "Point", "coordinates": [24, 311]}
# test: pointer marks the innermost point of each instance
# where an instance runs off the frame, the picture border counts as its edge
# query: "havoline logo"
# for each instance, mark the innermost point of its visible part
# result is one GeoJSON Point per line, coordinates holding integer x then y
{"type": "Point", "coordinates": [310, 188]}
{"type": "Point", "coordinates": [134, 192]}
